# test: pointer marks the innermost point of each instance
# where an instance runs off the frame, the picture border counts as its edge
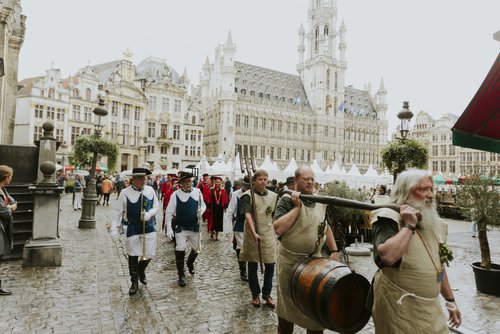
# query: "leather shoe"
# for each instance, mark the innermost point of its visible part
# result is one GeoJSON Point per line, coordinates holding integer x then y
{"type": "Point", "coordinates": [133, 289]}
{"type": "Point", "coordinates": [5, 292]}
{"type": "Point", "coordinates": [269, 302]}
{"type": "Point", "coordinates": [244, 277]}
{"type": "Point", "coordinates": [182, 280]}
{"type": "Point", "coordinates": [256, 301]}
{"type": "Point", "coordinates": [191, 268]}
{"type": "Point", "coordinates": [142, 278]}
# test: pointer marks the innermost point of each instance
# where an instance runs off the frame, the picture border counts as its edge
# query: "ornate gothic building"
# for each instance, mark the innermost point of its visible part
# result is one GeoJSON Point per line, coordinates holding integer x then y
{"type": "Point", "coordinates": [310, 115]}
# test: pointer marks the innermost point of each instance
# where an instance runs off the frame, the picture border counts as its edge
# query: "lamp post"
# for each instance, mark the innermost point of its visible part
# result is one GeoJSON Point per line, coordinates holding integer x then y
{"type": "Point", "coordinates": [405, 115]}
{"type": "Point", "coordinates": [87, 220]}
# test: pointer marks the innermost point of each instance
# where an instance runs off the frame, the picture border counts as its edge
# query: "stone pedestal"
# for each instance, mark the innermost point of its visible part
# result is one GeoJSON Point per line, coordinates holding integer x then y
{"type": "Point", "coordinates": [44, 248]}
{"type": "Point", "coordinates": [42, 253]}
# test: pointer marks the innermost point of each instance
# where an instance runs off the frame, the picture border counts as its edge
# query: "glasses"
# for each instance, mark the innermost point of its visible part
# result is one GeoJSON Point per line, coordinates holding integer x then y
{"type": "Point", "coordinates": [308, 179]}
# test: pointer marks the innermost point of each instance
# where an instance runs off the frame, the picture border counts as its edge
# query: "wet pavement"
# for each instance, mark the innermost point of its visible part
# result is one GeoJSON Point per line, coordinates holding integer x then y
{"type": "Point", "coordinates": [89, 292]}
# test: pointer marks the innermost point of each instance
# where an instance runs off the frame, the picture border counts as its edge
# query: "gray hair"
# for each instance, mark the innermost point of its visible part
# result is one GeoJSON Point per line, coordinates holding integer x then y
{"type": "Point", "coordinates": [405, 183]}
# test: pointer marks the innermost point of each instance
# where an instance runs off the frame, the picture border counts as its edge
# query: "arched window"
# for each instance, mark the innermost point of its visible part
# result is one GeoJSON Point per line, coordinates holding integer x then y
{"type": "Point", "coordinates": [76, 93]}
{"type": "Point", "coordinates": [316, 42]}
{"type": "Point", "coordinates": [88, 94]}
{"type": "Point", "coordinates": [193, 120]}
{"type": "Point", "coordinates": [328, 79]}
{"type": "Point", "coordinates": [51, 93]}
{"type": "Point", "coordinates": [325, 31]}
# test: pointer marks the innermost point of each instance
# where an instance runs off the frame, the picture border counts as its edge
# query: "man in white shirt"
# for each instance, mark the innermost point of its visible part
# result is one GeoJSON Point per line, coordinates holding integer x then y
{"type": "Point", "coordinates": [187, 206]}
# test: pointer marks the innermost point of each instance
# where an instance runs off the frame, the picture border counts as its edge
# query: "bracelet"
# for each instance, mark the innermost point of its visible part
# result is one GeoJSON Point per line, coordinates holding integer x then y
{"type": "Point", "coordinates": [450, 300]}
{"type": "Point", "coordinates": [410, 227]}
{"type": "Point", "coordinates": [334, 251]}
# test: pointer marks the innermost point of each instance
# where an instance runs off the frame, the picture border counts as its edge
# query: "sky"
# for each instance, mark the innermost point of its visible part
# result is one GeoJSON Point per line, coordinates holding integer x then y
{"type": "Point", "coordinates": [434, 54]}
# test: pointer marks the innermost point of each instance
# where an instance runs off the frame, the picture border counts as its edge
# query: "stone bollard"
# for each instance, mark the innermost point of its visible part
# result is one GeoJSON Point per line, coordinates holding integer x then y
{"type": "Point", "coordinates": [44, 248]}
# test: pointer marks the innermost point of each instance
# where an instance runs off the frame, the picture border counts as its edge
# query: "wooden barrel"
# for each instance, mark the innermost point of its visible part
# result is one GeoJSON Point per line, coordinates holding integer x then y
{"type": "Point", "coordinates": [330, 293]}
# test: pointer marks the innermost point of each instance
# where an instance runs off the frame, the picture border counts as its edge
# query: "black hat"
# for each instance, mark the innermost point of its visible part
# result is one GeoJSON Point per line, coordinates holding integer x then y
{"type": "Point", "coordinates": [139, 171]}
{"type": "Point", "coordinates": [184, 175]}
{"type": "Point", "coordinates": [290, 180]}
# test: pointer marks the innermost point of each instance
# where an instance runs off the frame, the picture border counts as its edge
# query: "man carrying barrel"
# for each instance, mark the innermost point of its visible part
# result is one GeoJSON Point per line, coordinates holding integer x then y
{"type": "Point", "coordinates": [296, 223]}
{"type": "Point", "coordinates": [411, 256]}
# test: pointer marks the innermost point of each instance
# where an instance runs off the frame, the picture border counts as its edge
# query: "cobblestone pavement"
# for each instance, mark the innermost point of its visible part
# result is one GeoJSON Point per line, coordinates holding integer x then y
{"type": "Point", "coordinates": [89, 292]}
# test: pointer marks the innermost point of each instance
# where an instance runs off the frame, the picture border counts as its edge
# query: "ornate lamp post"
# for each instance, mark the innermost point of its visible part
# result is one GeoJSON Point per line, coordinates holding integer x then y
{"type": "Point", "coordinates": [405, 115]}
{"type": "Point", "coordinates": [87, 220]}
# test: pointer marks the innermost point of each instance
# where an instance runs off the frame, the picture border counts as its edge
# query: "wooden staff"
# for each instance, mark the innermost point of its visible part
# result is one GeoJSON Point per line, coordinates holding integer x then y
{"type": "Point", "coordinates": [249, 166]}
{"type": "Point", "coordinates": [348, 203]}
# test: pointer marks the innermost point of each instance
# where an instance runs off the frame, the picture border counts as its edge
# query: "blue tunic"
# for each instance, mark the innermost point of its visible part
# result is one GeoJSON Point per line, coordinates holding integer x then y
{"type": "Point", "coordinates": [186, 215]}
{"type": "Point", "coordinates": [134, 216]}
{"type": "Point", "coordinates": [239, 224]}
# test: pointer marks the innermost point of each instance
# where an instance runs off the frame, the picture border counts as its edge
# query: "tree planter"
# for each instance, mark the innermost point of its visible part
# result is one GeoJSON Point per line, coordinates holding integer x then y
{"type": "Point", "coordinates": [487, 281]}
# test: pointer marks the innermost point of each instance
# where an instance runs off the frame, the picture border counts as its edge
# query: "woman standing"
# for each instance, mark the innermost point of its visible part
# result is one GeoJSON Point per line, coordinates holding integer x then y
{"type": "Point", "coordinates": [78, 189]}
{"type": "Point", "coordinates": [218, 204]}
{"type": "Point", "coordinates": [7, 205]}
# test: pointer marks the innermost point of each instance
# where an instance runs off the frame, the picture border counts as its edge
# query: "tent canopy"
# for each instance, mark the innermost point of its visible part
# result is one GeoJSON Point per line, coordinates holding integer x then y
{"type": "Point", "coordinates": [478, 125]}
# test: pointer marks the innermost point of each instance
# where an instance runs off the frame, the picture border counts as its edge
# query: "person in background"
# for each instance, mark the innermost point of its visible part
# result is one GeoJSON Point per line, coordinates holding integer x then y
{"type": "Point", "coordinates": [228, 187]}
{"type": "Point", "coordinates": [218, 204]}
{"type": "Point", "coordinates": [7, 205]}
{"type": "Point", "coordinates": [106, 188]}
{"type": "Point", "coordinates": [234, 215]}
{"type": "Point", "coordinates": [204, 185]}
{"type": "Point", "coordinates": [78, 188]}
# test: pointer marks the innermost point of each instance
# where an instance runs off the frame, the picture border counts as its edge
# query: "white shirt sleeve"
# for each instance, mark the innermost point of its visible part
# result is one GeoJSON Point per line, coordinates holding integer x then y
{"type": "Point", "coordinates": [172, 204]}
{"type": "Point", "coordinates": [119, 211]}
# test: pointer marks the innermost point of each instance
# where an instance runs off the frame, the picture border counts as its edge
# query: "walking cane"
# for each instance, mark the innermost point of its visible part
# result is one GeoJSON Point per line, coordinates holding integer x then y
{"type": "Point", "coordinates": [249, 167]}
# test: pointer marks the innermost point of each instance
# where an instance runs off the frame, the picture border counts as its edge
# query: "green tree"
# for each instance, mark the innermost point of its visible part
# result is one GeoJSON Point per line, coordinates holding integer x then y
{"type": "Point", "coordinates": [86, 146]}
{"type": "Point", "coordinates": [479, 199]}
{"type": "Point", "coordinates": [402, 154]}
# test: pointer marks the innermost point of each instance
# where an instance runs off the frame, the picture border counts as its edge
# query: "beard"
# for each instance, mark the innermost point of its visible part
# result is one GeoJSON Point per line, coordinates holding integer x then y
{"type": "Point", "coordinates": [428, 210]}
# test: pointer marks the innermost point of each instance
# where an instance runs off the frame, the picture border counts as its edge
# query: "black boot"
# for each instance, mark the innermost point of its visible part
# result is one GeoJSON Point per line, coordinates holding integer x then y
{"type": "Point", "coordinates": [179, 261]}
{"type": "Point", "coordinates": [142, 271]}
{"type": "Point", "coordinates": [4, 292]}
{"type": "Point", "coordinates": [190, 262]}
{"type": "Point", "coordinates": [243, 267]}
{"type": "Point", "coordinates": [134, 274]}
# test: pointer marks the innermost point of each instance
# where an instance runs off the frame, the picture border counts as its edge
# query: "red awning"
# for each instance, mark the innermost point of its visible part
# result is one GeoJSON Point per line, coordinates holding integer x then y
{"type": "Point", "coordinates": [479, 125]}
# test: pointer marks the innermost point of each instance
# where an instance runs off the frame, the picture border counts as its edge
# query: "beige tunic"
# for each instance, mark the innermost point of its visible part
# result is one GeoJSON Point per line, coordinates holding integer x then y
{"type": "Point", "coordinates": [418, 313]}
{"type": "Point", "coordinates": [296, 245]}
{"type": "Point", "coordinates": [249, 251]}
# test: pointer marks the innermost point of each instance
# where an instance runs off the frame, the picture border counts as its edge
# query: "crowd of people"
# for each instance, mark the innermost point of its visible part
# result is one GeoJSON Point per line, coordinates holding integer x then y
{"type": "Point", "coordinates": [275, 230]}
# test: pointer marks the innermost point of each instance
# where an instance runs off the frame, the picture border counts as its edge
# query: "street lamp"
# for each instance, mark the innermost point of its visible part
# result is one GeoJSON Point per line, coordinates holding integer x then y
{"type": "Point", "coordinates": [87, 220]}
{"type": "Point", "coordinates": [405, 115]}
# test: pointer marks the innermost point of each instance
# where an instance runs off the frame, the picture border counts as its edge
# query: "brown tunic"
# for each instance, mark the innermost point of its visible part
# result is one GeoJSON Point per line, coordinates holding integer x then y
{"type": "Point", "coordinates": [406, 298]}
{"type": "Point", "coordinates": [295, 246]}
{"type": "Point", "coordinates": [249, 251]}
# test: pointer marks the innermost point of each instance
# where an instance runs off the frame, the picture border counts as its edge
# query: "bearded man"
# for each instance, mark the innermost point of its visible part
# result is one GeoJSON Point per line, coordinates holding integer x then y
{"type": "Point", "coordinates": [411, 275]}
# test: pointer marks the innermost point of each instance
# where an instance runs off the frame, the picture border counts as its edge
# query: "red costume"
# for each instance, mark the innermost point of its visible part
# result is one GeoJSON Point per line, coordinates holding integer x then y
{"type": "Point", "coordinates": [205, 191]}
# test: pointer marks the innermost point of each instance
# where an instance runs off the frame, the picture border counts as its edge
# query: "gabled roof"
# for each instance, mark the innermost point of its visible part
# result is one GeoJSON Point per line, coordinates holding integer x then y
{"type": "Point", "coordinates": [270, 82]}
{"type": "Point", "coordinates": [26, 85]}
{"type": "Point", "coordinates": [359, 103]}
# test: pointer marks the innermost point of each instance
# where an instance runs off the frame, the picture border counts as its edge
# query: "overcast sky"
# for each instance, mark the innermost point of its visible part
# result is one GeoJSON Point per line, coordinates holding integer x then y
{"type": "Point", "coordinates": [434, 53]}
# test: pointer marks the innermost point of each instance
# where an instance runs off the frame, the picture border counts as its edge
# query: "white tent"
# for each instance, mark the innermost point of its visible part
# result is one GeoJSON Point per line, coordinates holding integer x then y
{"type": "Point", "coordinates": [159, 171]}
{"type": "Point", "coordinates": [321, 177]}
{"type": "Point", "coordinates": [354, 171]}
{"type": "Point", "coordinates": [290, 169]}
{"type": "Point", "coordinates": [371, 172]}
{"type": "Point", "coordinates": [273, 170]}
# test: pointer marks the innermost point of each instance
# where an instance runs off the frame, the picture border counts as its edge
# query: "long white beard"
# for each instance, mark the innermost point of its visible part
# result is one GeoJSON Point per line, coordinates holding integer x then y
{"type": "Point", "coordinates": [429, 213]}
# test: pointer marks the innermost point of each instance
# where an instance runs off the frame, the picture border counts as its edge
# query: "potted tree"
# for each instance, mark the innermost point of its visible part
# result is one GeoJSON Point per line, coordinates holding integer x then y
{"type": "Point", "coordinates": [479, 197]}
{"type": "Point", "coordinates": [345, 221]}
